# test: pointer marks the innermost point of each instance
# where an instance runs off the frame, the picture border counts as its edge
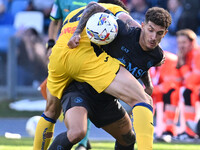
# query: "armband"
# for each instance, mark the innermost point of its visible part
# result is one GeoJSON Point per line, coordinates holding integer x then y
{"type": "Point", "coordinates": [50, 43]}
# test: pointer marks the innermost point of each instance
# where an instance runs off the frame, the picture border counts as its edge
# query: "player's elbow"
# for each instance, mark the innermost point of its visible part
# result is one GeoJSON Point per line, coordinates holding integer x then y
{"type": "Point", "coordinates": [92, 3]}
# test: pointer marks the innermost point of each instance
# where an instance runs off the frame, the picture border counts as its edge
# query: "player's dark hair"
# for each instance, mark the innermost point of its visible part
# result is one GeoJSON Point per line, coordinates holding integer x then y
{"type": "Point", "coordinates": [116, 2]}
{"type": "Point", "coordinates": [159, 16]}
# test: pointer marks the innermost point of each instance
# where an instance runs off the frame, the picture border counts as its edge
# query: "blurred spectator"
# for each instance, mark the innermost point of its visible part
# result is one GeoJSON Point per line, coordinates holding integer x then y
{"type": "Point", "coordinates": [44, 7]}
{"type": "Point", "coordinates": [2, 7]}
{"type": "Point", "coordinates": [194, 126]}
{"type": "Point", "coordinates": [138, 9]}
{"type": "Point", "coordinates": [176, 9]}
{"type": "Point", "coordinates": [32, 59]}
{"type": "Point", "coordinates": [190, 16]}
{"type": "Point", "coordinates": [6, 18]}
{"type": "Point", "coordinates": [159, 3]}
{"type": "Point", "coordinates": [189, 68]}
{"type": "Point", "coordinates": [125, 2]}
{"type": "Point", "coordinates": [167, 82]}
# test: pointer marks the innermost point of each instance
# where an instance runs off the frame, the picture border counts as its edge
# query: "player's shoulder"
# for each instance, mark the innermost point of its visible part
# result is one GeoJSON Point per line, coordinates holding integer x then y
{"type": "Point", "coordinates": [113, 8]}
{"type": "Point", "coordinates": [159, 52]}
{"type": "Point", "coordinates": [124, 29]}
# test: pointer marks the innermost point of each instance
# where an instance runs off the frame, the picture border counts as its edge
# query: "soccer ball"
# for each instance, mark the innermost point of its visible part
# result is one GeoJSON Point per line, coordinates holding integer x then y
{"type": "Point", "coordinates": [101, 28]}
{"type": "Point", "coordinates": [31, 125]}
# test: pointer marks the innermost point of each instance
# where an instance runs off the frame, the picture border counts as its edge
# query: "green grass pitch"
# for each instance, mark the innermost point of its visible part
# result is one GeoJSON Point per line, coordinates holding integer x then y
{"type": "Point", "coordinates": [27, 143]}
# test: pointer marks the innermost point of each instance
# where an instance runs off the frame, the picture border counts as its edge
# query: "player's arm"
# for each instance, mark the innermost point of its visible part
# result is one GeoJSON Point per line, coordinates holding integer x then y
{"type": "Point", "coordinates": [91, 9]}
{"type": "Point", "coordinates": [146, 79]}
{"type": "Point", "coordinates": [53, 31]}
{"type": "Point", "coordinates": [55, 24]}
{"type": "Point", "coordinates": [128, 20]}
{"type": "Point", "coordinates": [54, 28]}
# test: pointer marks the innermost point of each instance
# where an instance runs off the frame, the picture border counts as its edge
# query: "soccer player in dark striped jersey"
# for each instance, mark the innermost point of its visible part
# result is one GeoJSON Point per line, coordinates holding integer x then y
{"type": "Point", "coordinates": [141, 51]}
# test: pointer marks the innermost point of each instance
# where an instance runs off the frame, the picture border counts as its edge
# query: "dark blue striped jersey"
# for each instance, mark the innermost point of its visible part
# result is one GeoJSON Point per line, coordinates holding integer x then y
{"type": "Point", "coordinates": [127, 49]}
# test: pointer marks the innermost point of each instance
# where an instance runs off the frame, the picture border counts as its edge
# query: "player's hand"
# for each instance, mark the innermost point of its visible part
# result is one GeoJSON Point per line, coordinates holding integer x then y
{"type": "Point", "coordinates": [74, 41]}
{"type": "Point", "coordinates": [149, 90]}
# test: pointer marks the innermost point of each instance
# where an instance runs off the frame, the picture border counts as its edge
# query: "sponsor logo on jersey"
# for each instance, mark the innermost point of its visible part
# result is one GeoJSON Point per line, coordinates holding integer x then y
{"type": "Point", "coordinates": [135, 71]}
{"type": "Point", "coordinates": [66, 10]}
{"type": "Point", "coordinates": [79, 3]}
{"type": "Point", "coordinates": [68, 30]}
{"type": "Point", "coordinates": [126, 50]}
{"type": "Point", "coordinates": [44, 137]}
{"type": "Point", "coordinates": [54, 10]}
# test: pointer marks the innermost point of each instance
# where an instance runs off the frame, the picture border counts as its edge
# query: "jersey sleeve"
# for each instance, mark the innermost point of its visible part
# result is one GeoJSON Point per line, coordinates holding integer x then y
{"type": "Point", "coordinates": [124, 30]}
{"type": "Point", "coordinates": [159, 54]}
{"type": "Point", "coordinates": [56, 11]}
{"type": "Point", "coordinates": [115, 9]}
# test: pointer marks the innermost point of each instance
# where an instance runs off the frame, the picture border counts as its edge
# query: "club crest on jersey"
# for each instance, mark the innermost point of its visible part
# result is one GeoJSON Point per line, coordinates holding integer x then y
{"type": "Point", "coordinates": [78, 100]}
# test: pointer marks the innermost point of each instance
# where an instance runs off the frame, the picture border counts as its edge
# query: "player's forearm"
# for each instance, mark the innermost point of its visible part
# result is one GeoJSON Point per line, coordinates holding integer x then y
{"type": "Point", "coordinates": [54, 28]}
{"type": "Point", "coordinates": [91, 9]}
{"type": "Point", "coordinates": [146, 79]}
{"type": "Point", "coordinates": [126, 18]}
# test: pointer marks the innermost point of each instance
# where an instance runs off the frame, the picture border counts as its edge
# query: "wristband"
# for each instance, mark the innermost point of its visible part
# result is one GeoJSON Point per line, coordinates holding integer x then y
{"type": "Point", "coordinates": [50, 43]}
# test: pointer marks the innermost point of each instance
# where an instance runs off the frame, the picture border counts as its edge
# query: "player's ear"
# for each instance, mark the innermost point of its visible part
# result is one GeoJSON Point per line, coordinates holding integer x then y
{"type": "Point", "coordinates": [165, 32]}
{"type": "Point", "coordinates": [142, 24]}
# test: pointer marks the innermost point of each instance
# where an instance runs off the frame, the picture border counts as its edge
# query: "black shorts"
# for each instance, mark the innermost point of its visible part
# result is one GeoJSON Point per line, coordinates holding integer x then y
{"type": "Point", "coordinates": [102, 108]}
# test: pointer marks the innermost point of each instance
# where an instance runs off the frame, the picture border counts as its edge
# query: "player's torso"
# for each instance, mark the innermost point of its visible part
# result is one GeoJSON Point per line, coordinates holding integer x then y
{"type": "Point", "coordinates": [126, 48]}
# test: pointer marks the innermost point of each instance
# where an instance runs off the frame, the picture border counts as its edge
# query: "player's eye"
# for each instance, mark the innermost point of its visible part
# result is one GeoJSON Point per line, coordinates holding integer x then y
{"type": "Point", "coordinates": [150, 30]}
{"type": "Point", "coordinates": [160, 33]}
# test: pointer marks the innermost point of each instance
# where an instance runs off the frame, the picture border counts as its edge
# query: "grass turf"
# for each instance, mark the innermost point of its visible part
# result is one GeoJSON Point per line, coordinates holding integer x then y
{"type": "Point", "coordinates": [27, 143]}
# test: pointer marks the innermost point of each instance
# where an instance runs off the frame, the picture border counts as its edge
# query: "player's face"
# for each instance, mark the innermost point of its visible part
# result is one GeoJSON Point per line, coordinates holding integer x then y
{"type": "Point", "coordinates": [151, 35]}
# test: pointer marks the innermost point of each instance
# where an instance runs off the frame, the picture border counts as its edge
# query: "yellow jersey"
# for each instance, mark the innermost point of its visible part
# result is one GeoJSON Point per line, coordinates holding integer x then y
{"type": "Point", "coordinates": [81, 63]}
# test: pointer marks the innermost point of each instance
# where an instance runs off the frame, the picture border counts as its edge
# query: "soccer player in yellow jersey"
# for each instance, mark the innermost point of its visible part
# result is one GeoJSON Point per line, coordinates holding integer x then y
{"type": "Point", "coordinates": [45, 127]}
{"type": "Point", "coordinates": [122, 85]}
{"type": "Point", "coordinates": [60, 9]}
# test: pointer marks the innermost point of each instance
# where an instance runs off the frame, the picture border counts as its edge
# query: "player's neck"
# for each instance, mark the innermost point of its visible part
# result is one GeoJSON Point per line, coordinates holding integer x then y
{"type": "Point", "coordinates": [142, 43]}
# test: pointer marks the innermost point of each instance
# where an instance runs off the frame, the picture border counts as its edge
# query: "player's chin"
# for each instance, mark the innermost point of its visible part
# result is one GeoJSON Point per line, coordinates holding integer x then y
{"type": "Point", "coordinates": [152, 45]}
{"type": "Point", "coordinates": [150, 48]}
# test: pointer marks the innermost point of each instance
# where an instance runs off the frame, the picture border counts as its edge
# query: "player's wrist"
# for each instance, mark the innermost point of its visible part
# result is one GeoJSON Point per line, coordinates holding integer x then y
{"type": "Point", "coordinates": [50, 43]}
